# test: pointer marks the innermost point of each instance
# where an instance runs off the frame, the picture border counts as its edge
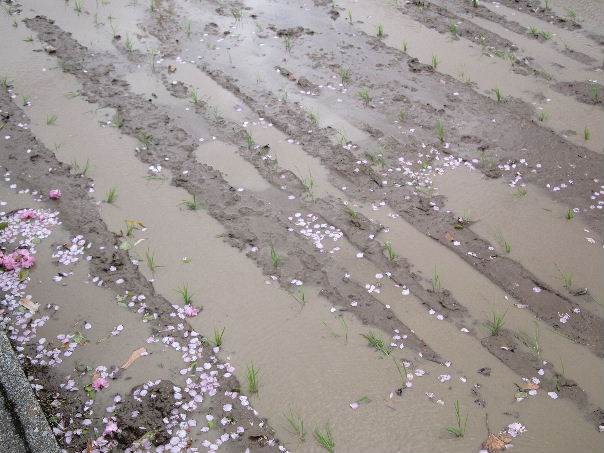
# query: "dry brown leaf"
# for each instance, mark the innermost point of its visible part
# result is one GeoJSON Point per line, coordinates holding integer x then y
{"type": "Point", "coordinates": [29, 304]}
{"type": "Point", "coordinates": [529, 386]}
{"type": "Point", "coordinates": [134, 357]}
{"type": "Point", "coordinates": [496, 443]}
{"type": "Point", "coordinates": [449, 237]}
{"type": "Point", "coordinates": [171, 68]}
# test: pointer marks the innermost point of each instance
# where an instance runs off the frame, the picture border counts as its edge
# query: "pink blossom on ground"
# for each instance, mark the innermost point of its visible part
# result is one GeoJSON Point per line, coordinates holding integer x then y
{"type": "Point", "coordinates": [55, 194]}
{"type": "Point", "coordinates": [8, 262]}
{"type": "Point", "coordinates": [110, 428]}
{"type": "Point", "coordinates": [28, 214]}
{"type": "Point", "coordinates": [100, 383]}
{"type": "Point", "coordinates": [24, 258]}
{"type": "Point", "coordinates": [191, 311]}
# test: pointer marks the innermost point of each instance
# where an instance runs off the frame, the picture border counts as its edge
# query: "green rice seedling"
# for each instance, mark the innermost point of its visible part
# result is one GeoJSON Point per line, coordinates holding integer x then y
{"type": "Point", "coordinates": [218, 337]}
{"type": "Point", "coordinates": [187, 28]}
{"type": "Point", "coordinates": [308, 184]}
{"type": "Point", "coordinates": [151, 261]}
{"type": "Point", "coordinates": [460, 429]}
{"type": "Point", "coordinates": [403, 373]}
{"type": "Point", "coordinates": [344, 325]}
{"type": "Point", "coordinates": [288, 40]}
{"type": "Point", "coordinates": [507, 246]}
{"type": "Point", "coordinates": [496, 324]}
{"type": "Point", "coordinates": [572, 15]}
{"type": "Point", "coordinates": [5, 83]}
{"type": "Point", "coordinates": [570, 214]}
{"type": "Point", "coordinates": [435, 62]}
{"type": "Point", "coordinates": [253, 381]}
{"type": "Point", "coordinates": [187, 296]}
{"type": "Point", "coordinates": [543, 116]}
{"type": "Point", "coordinates": [114, 32]}
{"type": "Point", "coordinates": [29, 38]}
{"type": "Point", "coordinates": [498, 94]}
{"type": "Point", "coordinates": [454, 28]}
{"type": "Point", "coordinates": [402, 116]}
{"type": "Point", "coordinates": [249, 140]}
{"type": "Point", "coordinates": [533, 341]}
{"type": "Point", "coordinates": [545, 35]}
{"type": "Point", "coordinates": [534, 31]}
{"type": "Point", "coordinates": [376, 343]}
{"type": "Point", "coordinates": [586, 134]}
{"type": "Point", "coordinates": [345, 75]}
{"type": "Point", "coordinates": [376, 159]}
{"type": "Point", "coordinates": [548, 4]}
{"type": "Point", "coordinates": [325, 438]}
{"type": "Point", "coordinates": [237, 14]}
{"type": "Point", "coordinates": [78, 6]}
{"type": "Point", "coordinates": [405, 46]}
{"type": "Point", "coordinates": [475, 3]}
{"type": "Point", "coordinates": [111, 196]}
{"type": "Point", "coordinates": [440, 131]}
{"type": "Point", "coordinates": [145, 138]}
{"type": "Point", "coordinates": [521, 192]}
{"type": "Point", "coordinates": [595, 93]}
{"type": "Point", "coordinates": [365, 96]}
{"type": "Point", "coordinates": [296, 425]}
{"type": "Point", "coordinates": [276, 259]}
{"type": "Point", "coordinates": [436, 282]}
{"type": "Point", "coordinates": [350, 17]}
{"type": "Point", "coordinates": [192, 204]}
{"type": "Point", "coordinates": [353, 214]}
{"type": "Point", "coordinates": [380, 31]}
{"type": "Point", "coordinates": [195, 99]}
{"type": "Point", "coordinates": [51, 119]}
{"type": "Point", "coordinates": [300, 297]}
{"type": "Point", "coordinates": [392, 255]}
{"type": "Point", "coordinates": [132, 226]}
{"type": "Point", "coordinates": [118, 120]}
{"type": "Point", "coordinates": [81, 170]}
{"type": "Point", "coordinates": [567, 279]}
{"type": "Point", "coordinates": [129, 44]}
{"type": "Point", "coordinates": [314, 118]}
{"type": "Point", "coordinates": [152, 5]}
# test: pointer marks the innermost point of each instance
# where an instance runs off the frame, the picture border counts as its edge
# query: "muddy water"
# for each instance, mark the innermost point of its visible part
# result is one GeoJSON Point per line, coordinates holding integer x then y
{"type": "Point", "coordinates": [482, 298]}
{"type": "Point", "coordinates": [465, 61]}
{"type": "Point", "coordinates": [263, 323]}
{"type": "Point", "coordinates": [542, 239]}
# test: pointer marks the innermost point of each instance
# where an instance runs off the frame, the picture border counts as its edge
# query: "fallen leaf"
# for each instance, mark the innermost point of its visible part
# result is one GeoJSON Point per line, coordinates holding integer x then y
{"type": "Point", "coordinates": [171, 68]}
{"type": "Point", "coordinates": [134, 357]}
{"type": "Point", "coordinates": [29, 304]}
{"type": "Point", "coordinates": [529, 386]}
{"type": "Point", "coordinates": [449, 237]}
{"type": "Point", "coordinates": [496, 443]}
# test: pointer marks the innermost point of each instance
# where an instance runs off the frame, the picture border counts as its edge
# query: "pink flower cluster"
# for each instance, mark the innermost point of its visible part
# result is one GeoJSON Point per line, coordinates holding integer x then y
{"type": "Point", "coordinates": [19, 259]}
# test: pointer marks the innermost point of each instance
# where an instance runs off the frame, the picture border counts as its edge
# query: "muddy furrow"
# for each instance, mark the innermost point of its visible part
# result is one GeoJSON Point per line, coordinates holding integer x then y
{"type": "Point", "coordinates": [244, 215]}
{"type": "Point", "coordinates": [80, 216]}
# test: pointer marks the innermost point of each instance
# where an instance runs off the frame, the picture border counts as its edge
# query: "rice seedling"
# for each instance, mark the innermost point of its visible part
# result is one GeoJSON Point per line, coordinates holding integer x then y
{"type": "Point", "coordinates": [218, 337]}
{"type": "Point", "coordinates": [308, 184]}
{"type": "Point", "coordinates": [314, 118]}
{"type": "Point", "coordinates": [249, 140]}
{"type": "Point", "coordinates": [344, 325]}
{"type": "Point", "coordinates": [81, 170]}
{"type": "Point", "coordinates": [111, 196]}
{"type": "Point", "coordinates": [152, 5]}
{"type": "Point", "coordinates": [496, 324]}
{"type": "Point", "coordinates": [276, 259]}
{"type": "Point", "coordinates": [595, 93]}
{"type": "Point", "coordinates": [405, 46]}
{"type": "Point", "coordinates": [129, 44]}
{"type": "Point", "coordinates": [350, 17]}
{"type": "Point", "coordinates": [195, 99]}
{"type": "Point", "coordinates": [498, 94]}
{"type": "Point", "coordinates": [376, 159]}
{"type": "Point", "coordinates": [534, 31]}
{"type": "Point", "coordinates": [188, 28]}
{"type": "Point", "coordinates": [192, 204]}
{"type": "Point", "coordinates": [114, 32]}
{"type": "Point", "coordinates": [436, 282]}
{"type": "Point", "coordinates": [380, 31]}
{"type": "Point", "coordinates": [570, 214]}
{"type": "Point", "coordinates": [237, 14]}
{"type": "Point", "coordinates": [253, 381]}
{"type": "Point", "coordinates": [543, 116]}
{"type": "Point", "coordinates": [296, 425]}
{"type": "Point", "coordinates": [454, 28]}
{"type": "Point", "coordinates": [532, 341]}
{"type": "Point", "coordinates": [545, 35]}
{"type": "Point", "coordinates": [133, 225]}
{"type": "Point", "coordinates": [392, 255]}
{"type": "Point", "coordinates": [460, 429]}
{"type": "Point", "coordinates": [586, 134]}
{"type": "Point", "coordinates": [152, 263]}
{"type": "Point", "coordinates": [520, 192]}
{"type": "Point", "coordinates": [51, 120]}
{"type": "Point", "coordinates": [78, 6]}
{"type": "Point", "coordinates": [118, 120]}
{"type": "Point", "coordinates": [376, 343]}
{"type": "Point", "coordinates": [29, 38]}
{"type": "Point", "coordinates": [145, 138]}
{"type": "Point", "coordinates": [572, 15]}
{"type": "Point", "coordinates": [475, 3]}
{"type": "Point", "coordinates": [548, 4]}
{"type": "Point", "coordinates": [288, 40]}
{"type": "Point", "coordinates": [300, 297]}
{"type": "Point", "coordinates": [5, 83]}
{"type": "Point", "coordinates": [365, 97]}
{"type": "Point", "coordinates": [435, 62]}
{"type": "Point", "coordinates": [402, 116]}
{"type": "Point", "coordinates": [325, 438]}
{"type": "Point", "coordinates": [403, 373]}
{"type": "Point", "coordinates": [345, 75]}
{"type": "Point", "coordinates": [440, 131]}
{"type": "Point", "coordinates": [187, 296]}
{"type": "Point", "coordinates": [353, 214]}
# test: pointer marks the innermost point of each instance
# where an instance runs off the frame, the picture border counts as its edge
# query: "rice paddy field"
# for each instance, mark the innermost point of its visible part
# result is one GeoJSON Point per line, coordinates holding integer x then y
{"type": "Point", "coordinates": [305, 225]}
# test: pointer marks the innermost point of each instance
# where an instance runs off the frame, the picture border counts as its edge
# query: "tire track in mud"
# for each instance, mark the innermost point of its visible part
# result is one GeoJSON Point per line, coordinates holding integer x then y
{"type": "Point", "coordinates": [242, 214]}
{"type": "Point", "coordinates": [80, 216]}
